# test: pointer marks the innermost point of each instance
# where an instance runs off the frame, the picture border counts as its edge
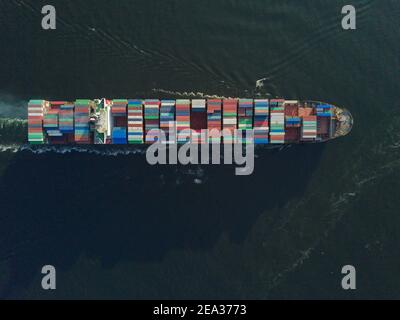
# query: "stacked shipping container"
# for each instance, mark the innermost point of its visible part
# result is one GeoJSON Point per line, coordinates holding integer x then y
{"type": "Point", "coordinates": [119, 130]}
{"type": "Point", "coordinates": [35, 121]}
{"type": "Point", "coordinates": [261, 121]}
{"type": "Point", "coordinates": [152, 120]}
{"type": "Point", "coordinates": [292, 114]}
{"type": "Point", "coordinates": [214, 118]}
{"type": "Point", "coordinates": [324, 115]}
{"type": "Point", "coordinates": [183, 120]}
{"type": "Point", "coordinates": [82, 109]}
{"type": "Point", "coordinates": [277, 110]}
{"type": "Point", "coordinates": [293, 122]}
{"type": "Point", "coordinates": [167, 120]}
{"type": "Point", "coordinates": [135, 122]}
{"type": "Point", "coordinates": [66, 118]}
{"type": "Point", "coordinates": [230, 118]}
{"type": "Point", "coordinates": [245, 115]}
{"type": "Point", "coordinates": [309, 131]}
{"type": "Point", "coordinates": [50, 123]}
{"type": "Point", "coordinates": [324, 110]}
{"type": "Point", "coordinates": [198, 121]}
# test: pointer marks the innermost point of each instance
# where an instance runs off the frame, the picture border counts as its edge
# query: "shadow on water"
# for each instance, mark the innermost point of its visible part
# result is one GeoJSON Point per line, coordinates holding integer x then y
{"type": "Point", "coordinates": [58, 207]}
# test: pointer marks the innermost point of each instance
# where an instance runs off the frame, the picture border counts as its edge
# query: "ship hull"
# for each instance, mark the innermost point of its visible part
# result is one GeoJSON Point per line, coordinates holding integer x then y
{"type": "Point", "coordinates": [135, 122]}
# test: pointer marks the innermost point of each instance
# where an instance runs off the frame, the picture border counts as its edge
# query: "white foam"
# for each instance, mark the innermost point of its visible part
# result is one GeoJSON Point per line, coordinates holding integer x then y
{"type": "Point", "coordinates": [112, 152]}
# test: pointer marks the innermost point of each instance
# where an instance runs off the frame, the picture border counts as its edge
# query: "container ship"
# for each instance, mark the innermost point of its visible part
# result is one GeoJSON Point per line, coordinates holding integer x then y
{"type": "Point", "coordinates": [136, 122]}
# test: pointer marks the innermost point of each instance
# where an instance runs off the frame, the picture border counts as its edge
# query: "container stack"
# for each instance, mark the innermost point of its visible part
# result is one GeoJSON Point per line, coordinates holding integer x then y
{"type": "Point", "coordinates": [309, 130]}
{"type": "Point", "coordinates": [50, 123]}
{"type": "Point", "coordinates": [152, 120]}
{"type": "Point", "coordinates": [293, 122]}
{"type": "Point", "coordinates": [119, 135]}
{"type": "Point", "coordinates": [324, 110]}
{"type": "Point", "coordinates": [66, 118]}
{"type": "Point", "coordinates": [118, 108]}
{"type": "Point", "coordinates": [167, 120]}
{"type": "Point", "coordinates": [324, 117]}
{"type": "Point", "coordinates": [135, 122]}
{"type": "Point", "coordinates": [119, 114]}
{"type": "Point", "coordinates": [199, 121]}
{"type": "Point", "coordinates": [82, 111]}
{"type": "Point", "coordinates": [56, 105]}
{"type": "Point", "coordinates": [245, 115]}
{"type": "Point", "coordinates": [214, 118]}
{"type": "Point", "coordinates": [35, 121]}
{"type": "Point", "coordinates": [230, 118]}
{"type": "Point", "coordinates": [183, 120]}
{"type": "Point", "coordinates": [261, 121]}
{"type": "Point", "coordinates": [277, 110]}
{"type": "Point", "coordinates": [293, 131]}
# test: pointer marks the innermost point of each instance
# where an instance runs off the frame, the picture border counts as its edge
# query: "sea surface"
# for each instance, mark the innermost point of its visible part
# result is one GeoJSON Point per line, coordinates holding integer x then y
{"type": "Point", "coordinates": [116, 227]}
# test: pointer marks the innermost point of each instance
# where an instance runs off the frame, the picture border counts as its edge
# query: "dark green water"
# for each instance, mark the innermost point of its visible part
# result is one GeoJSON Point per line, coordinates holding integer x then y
{"type": "Point", "coordinates": [116, 228]}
